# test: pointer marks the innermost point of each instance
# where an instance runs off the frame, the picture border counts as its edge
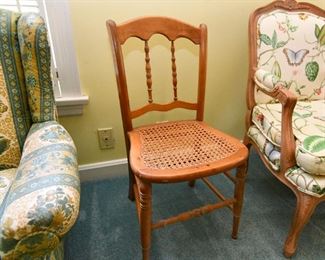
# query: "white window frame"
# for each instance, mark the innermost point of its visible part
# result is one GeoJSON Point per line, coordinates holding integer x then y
{"type": "Point", "coordinates": [67, 89]}
{"type": "Point", "coordinates": [69, 98]}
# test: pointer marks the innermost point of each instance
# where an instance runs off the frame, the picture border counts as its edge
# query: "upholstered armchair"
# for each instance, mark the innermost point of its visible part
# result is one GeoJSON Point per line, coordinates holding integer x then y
{"type": "Point", "coordinates": [39, 183]}
{"type": "Point", "coordinates": [286, 102]}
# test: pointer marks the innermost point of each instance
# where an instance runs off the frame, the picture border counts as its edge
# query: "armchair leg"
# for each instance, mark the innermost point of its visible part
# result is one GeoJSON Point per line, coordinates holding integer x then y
{"type": "Point", "coordinates": [246, 142]}
{"type": "Point", "coordinates": [145, 217]}
{"type": "Point", "coordinates": [304, 210]}
{"type": "Point", "coordinates": [239, 196]}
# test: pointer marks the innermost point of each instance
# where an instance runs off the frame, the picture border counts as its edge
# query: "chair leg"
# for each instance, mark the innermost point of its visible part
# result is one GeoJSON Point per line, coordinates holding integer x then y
{"type": "Point", "coordinates": [246, 142]}
{"type": "Point", "coordinates": [191, 183]}
{"type": "Point", "coordinates": [145, 217]}
{"type": "Point", "coordinates": [304, 210]}
{"type": "Point", "coordinates": [239, 196]}
{"type": "Point", "coordinates": [131, 182]}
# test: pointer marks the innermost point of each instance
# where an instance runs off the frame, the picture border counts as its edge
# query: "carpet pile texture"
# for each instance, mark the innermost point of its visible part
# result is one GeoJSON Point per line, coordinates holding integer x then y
{"type": "Point", "coordinates": [107, 227]}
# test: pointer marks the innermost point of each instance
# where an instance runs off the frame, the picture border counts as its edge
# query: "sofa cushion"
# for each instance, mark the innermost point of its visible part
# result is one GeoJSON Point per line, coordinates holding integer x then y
{"type": "Point", "coordinates": [15, 118]}
{"type": "Point", "coordinates": [10, 152]}
{"type": "Point", "coordinates": [270, 151]}
{"type": "Point", "coordinates": [6, 179]}
{"type": "Point", "coordinates": [307, 183]}
{"type": "Point", "coordinates": [308, 128]}
{"type": "Point", "coordinates": [290, 47]}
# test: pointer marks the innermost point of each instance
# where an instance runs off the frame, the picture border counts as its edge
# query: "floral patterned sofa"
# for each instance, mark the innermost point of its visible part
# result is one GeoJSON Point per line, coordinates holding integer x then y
{"type": "Point", "coordinates": [286, 101]}
{"type": "Point", "coordinates": [39, 182]}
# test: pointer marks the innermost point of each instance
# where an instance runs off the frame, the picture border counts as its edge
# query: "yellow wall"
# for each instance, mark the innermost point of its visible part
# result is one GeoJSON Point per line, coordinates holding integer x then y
{"type": "Point", "coordinates": [227, 64]}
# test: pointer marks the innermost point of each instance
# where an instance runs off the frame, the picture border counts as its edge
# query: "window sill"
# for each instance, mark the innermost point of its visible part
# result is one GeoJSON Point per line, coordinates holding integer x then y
{"type": "Point", "coordinates": [71, 106]}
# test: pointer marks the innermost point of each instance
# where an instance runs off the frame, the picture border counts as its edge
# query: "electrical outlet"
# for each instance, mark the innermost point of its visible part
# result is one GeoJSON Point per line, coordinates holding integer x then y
{"type": "Point", "coordinates": [105, 138]}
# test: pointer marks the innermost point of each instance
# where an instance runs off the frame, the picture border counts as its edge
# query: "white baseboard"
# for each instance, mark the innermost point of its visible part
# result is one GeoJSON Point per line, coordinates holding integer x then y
{"type": "Point", "coordinates": [103, 170]}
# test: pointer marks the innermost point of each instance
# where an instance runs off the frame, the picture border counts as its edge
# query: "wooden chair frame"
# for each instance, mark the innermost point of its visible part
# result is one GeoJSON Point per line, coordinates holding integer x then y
{"type": "Point", "coordinates": [306, 204]}
{"type": "Point", "coordinates": [142, 177]}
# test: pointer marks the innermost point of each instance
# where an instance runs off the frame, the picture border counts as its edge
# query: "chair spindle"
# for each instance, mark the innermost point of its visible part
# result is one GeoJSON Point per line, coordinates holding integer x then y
{"type": "Point", "coordinates": [174, 73]}
{"type": "Point", "coordinates": [148, 72]}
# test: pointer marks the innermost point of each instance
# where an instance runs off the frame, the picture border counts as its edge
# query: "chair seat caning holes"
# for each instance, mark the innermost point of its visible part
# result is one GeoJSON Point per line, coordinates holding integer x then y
{"type": "Point", "coordinates": [178, 145]}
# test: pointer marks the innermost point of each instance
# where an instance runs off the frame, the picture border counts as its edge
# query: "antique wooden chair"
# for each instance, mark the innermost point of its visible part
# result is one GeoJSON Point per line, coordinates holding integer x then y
{"type": "Point", "coordinates": [285, 99]}
{"type": "Point", "coordinates": [174, 151]}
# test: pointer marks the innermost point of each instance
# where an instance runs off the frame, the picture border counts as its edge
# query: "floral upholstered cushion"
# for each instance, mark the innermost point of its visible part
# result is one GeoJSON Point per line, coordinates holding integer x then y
{"type": "Point", "coordinates": [9, 145]}
{"type": "Point", "coordinates": [291, 47]}
{"type": "Point", "coordinates": [6, 179]}
{"type": "Point", "coordinates": [43, 201]}
{"type": "Point", "coordinates": [307, 183]}
{"type": "Point", "coordinates": [15, 118]}
{"type": "Point", "coordinates": [308, 127]}
{"type": "Point", "coordinates": [270, 151]}
{"type": "Point", "coordinates": [308, 119]}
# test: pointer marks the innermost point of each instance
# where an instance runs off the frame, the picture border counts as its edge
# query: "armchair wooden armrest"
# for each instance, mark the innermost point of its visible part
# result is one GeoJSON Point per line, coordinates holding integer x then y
{"type": "Point", "coordinates": [288, 101]}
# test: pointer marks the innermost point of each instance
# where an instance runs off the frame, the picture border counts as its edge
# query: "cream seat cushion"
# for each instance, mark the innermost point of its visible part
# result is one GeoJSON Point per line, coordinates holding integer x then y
{"type": "Point", "coordinates": [308, 127]}
{"type": "Point", "coordinates": [308, 183]}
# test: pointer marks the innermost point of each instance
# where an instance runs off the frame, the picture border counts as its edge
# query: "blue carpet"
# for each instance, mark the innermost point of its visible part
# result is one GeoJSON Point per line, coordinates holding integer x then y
{"type": "Point", "coordinates": [107, 227]}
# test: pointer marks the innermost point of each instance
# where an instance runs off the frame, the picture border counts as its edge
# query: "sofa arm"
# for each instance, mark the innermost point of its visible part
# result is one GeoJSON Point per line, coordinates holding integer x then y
{"type": "Point", "coordinates": [43, 201]}
{"type": "Point", "coordinates": [36, 61]}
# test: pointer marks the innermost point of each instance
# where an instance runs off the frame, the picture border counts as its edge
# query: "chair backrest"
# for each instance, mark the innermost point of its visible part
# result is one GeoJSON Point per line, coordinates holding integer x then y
{"type": "Point", "coordinates": [288, 39]}
{"type": "Point", "coordinates": [144, 29]}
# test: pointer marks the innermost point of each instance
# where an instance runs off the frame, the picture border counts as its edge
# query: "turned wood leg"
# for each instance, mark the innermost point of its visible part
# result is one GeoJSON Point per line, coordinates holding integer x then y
{"type": "Point", "coordinates": [304, 210]}
{"type": "Point", "coordinates": [239, 196]}
{"type": "Point", "coordinates": [246, 142]}
{"type": "Point", "coordinates": [131, 183]}
{"type": "Point", "coordinates": [191, 183]}
{"type": "Point", "coordinates": [145, 217]}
